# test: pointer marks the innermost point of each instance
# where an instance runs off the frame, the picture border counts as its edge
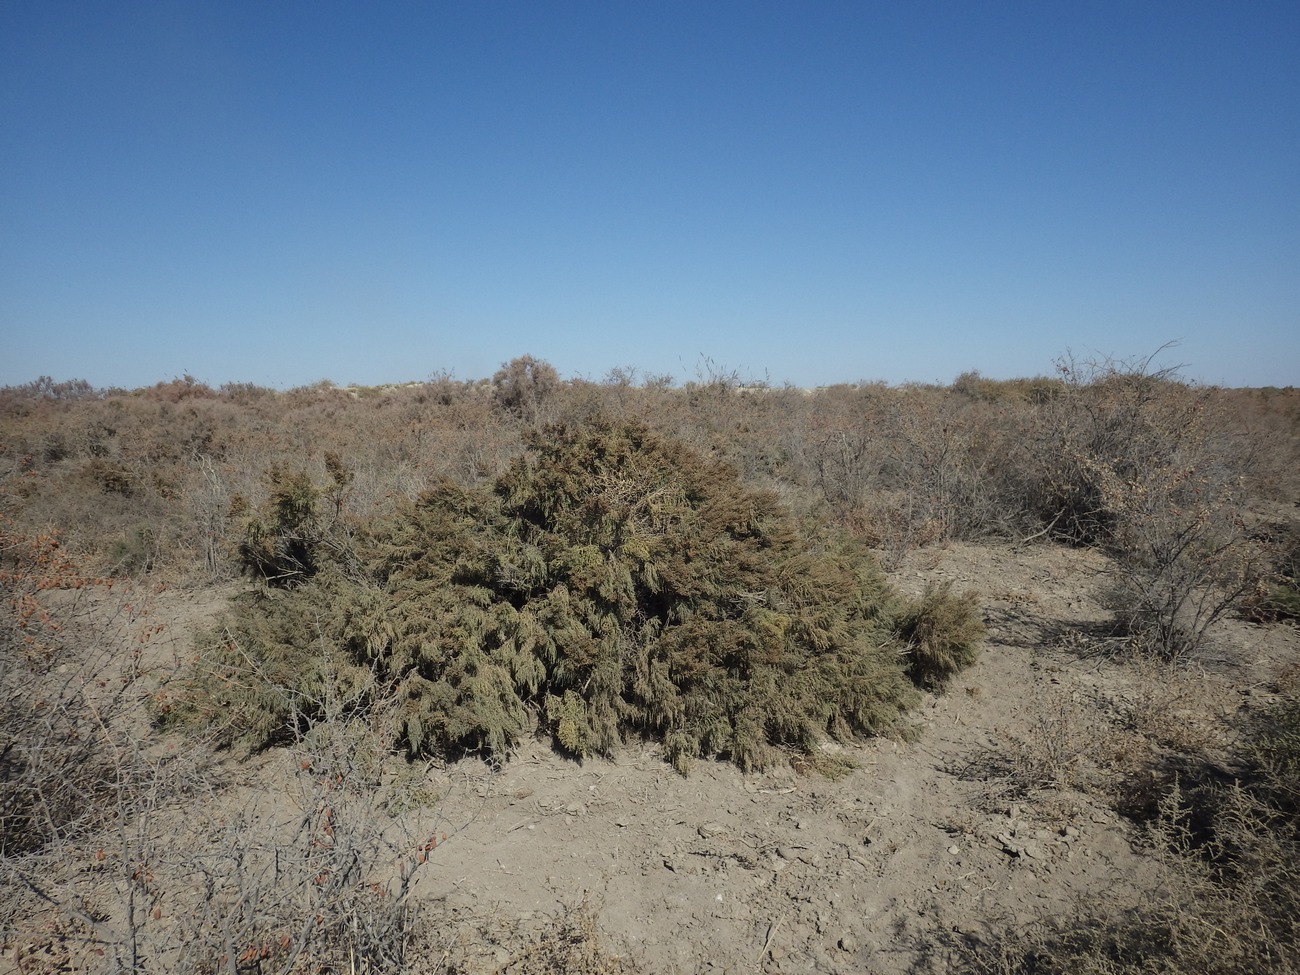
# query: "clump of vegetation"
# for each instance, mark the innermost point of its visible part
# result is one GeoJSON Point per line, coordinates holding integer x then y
{"type": "Point", "coordinates": [522, 386]}
{"type": "Point", "coordinates": [943, 632]}
{"type": "Point", "coordinates": [280, 543]}
{"type": "Point", "coordinates": [611, 582]}
{"type": "Point", "coordinates": [1274, 749]}
{"type": "Point", "coordinates": [1230, 900]}
{"type": "Point", "coordinates": [1278, 597]}
{"type": "Point", "coordinates": [1136, 462]}
{"type": "Point", "coordinates": [64, 685]}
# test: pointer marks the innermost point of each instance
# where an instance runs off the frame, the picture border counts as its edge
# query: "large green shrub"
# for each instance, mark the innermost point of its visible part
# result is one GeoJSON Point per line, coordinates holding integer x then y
{"type": "Point", "coordinates": [611, 582]}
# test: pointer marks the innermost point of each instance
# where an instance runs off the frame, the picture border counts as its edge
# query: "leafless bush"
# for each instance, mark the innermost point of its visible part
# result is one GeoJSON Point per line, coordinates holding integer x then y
{"type": "Point", "coordinates": [70, 672]}
{"type": "Point", "coordinates": [311, 871]}
{"type": "Point", "coordinates": [1135, 461]}
{"type": "Point", "coordinates": [523, 387]}
{"type": "Point", "coordinates": [1066, 744]}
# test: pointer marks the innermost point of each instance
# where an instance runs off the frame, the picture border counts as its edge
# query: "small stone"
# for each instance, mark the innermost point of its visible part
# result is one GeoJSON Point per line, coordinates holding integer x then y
{"type": "Point", "coordinates": [848, 943]}
{"type": "Point", "coordinates": [802, 824]}
{"type": "Point", "coordinates": [709, 830]}
{"type": "Point", "coordinates": [954, 850]}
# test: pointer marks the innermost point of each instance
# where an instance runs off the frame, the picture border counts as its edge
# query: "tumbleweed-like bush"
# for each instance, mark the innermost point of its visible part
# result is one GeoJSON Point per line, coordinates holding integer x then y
{"type": "Point", "coordinates": [610, 583]}
{"type": "Point", "coordinates": [943, 631]}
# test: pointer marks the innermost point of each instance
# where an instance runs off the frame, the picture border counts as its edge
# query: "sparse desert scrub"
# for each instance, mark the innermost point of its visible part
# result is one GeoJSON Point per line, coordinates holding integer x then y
{"type": "Point", "coordinates": [121, 850]}
{"type": "Point", "coordinates": [1134, 461]}
{"type": "Point", "coordinates": [1277, 596]}
{"type": "Point", "coordinates": [440, 544]}
{"type": "Point", "coordinates": [70, 676]}
{"type": "Point", "coordinates": [313, 873]}
{"type": "Point", "coordinates": [1214, 794]}
{"type": "Point", "coordinates": [1230, 901]}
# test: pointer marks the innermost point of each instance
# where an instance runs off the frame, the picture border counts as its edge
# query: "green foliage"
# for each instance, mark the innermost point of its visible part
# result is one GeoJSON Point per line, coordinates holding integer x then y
{"type": "Point", "coordinates": [611, 582]}
{"type": "Point", "coordinates": [135, 551]}
{"type": "Point", "coordinates": [279, 544]}
{"type": "Point", "coordinates": [1281, 601]}
{"type": "Point", "coordinates": [273, 662]}
{"type": "Point", "coordinates": [943, 632]}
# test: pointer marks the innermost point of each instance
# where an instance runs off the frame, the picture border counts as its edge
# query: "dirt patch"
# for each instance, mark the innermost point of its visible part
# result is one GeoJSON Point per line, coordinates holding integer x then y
{"type": "Point", "coordinates": [998, 812]}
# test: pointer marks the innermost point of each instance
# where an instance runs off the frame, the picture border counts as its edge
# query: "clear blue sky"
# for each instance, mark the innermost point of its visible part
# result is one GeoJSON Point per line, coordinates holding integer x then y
{"type": "Point", "coordinates": [818, 192]}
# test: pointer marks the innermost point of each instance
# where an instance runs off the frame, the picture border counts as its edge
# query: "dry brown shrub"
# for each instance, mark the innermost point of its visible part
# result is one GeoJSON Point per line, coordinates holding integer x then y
{"type": "Point", "coordinates": [1058, 750]}
{"type": "Point", "coordinates": [1131, 459]}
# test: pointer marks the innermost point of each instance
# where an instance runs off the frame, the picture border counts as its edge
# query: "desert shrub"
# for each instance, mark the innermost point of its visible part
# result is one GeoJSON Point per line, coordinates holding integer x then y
{"type": "Point", "coordinates": [45, 388]}
{"type": "Point", "coordinates": [176, 390]}
{"type": "Point", "coordinates": [611, 582]}
{"type": "Point", "coordinates": [1228, 906]}
{"type": "Point", "coordinates": [1274, 748]}
{"type": "Point", "coordinates": [134, 551]}
{"type": "Point", "coordinates": [943, 632]}
{"type": "Point", "coordinates": [1278, 593]}
{"type": "Point", "coordinates": [110, 478]}
{"type": "Point", "coordinates": [1183, 557]}
{"type": "Point", "coordinates": [280, 543]}
{"type": "Point", "coordinates": [570, 944]}
{"type": "Point", "coordinates": [310, 872]}
{"type": "Point", "coordinates": [65, 679]}
{"type": "Point", "coordinates": [944, 459]}
{"type": "Point", "coordinates": [523, 385]}
{"type": "Point", "coordinates": [615, 581]}
{"type": "Point", "coordinates": [1134, 461]}
{"type": "Point", "coordinates": [910, 466]}
{"type": "Point", "coordinates": [269, 666]}
{"type": "Point", "coordinates": [1038, 389]}
{"type": "Point", "coordinates": [1229, 900]}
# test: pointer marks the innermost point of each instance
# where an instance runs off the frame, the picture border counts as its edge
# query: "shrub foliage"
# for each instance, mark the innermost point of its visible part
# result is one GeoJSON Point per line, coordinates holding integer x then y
{"type": "Point", "coordinates": [943, 632]}
{"type": "Point", "coordinates": [610, 582]}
